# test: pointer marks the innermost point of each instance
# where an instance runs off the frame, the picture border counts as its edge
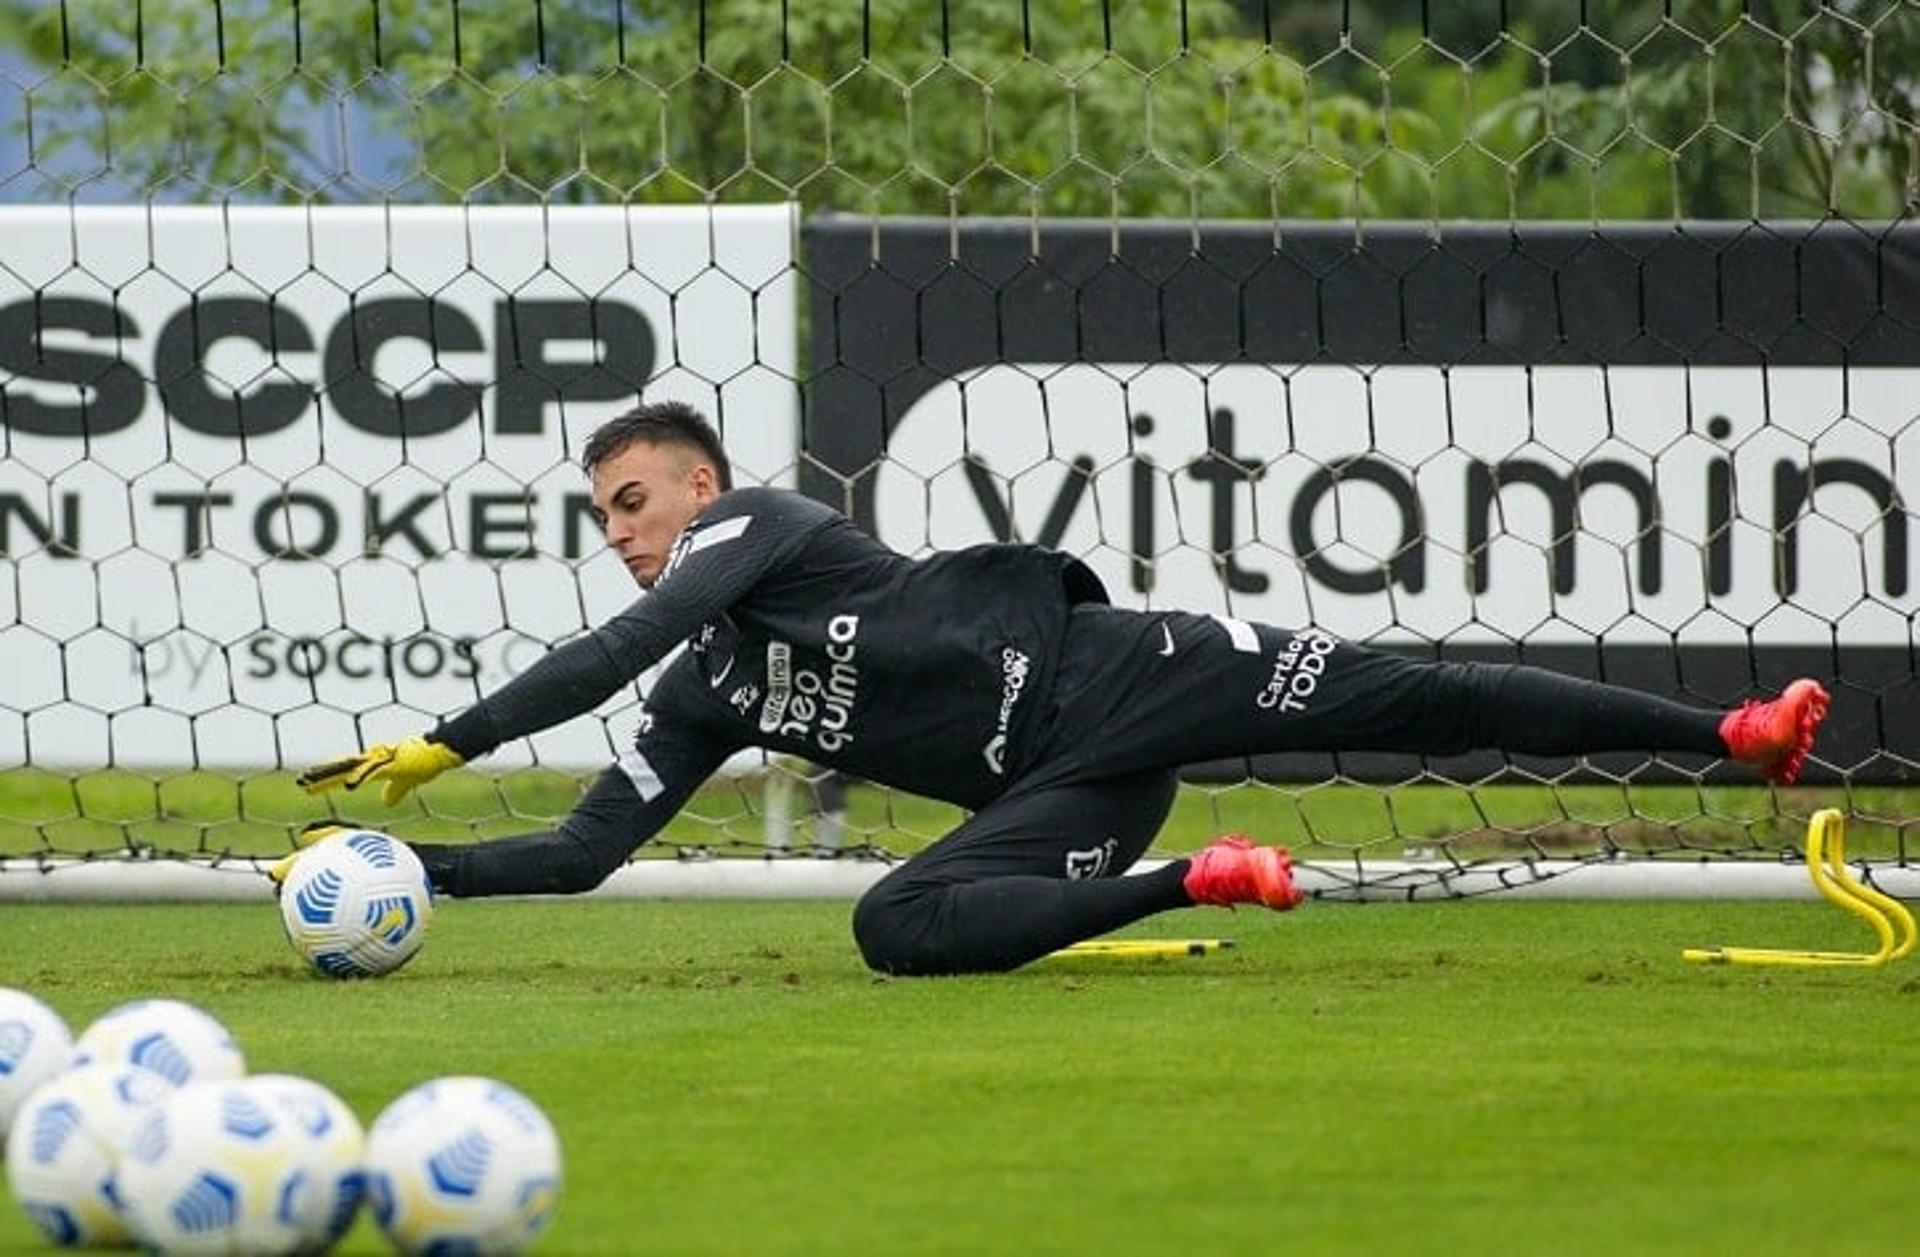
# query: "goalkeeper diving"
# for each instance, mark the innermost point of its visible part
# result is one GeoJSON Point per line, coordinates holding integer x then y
{"type": "Point", "coordinates": [996, 678]}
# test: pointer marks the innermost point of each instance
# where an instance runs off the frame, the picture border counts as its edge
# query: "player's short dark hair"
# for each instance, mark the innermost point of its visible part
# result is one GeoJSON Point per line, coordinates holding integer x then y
{"type": "Point", "coordinates": [659, 423]}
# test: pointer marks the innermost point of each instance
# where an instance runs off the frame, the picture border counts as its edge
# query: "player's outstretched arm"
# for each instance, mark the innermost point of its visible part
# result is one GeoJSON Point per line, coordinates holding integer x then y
{"type": "Point", "coordinates": [629, 803]}
{"type": "Point", "coordinates": [720, 557]}
{"type": "Point", "coordinates": [620, 812]}
{"type": "Point", "coordinates": [739, 541]}
{"type": "Point", "coordinates": [608, 826]}
{"type": "Point", "coordinates": [569, 680]}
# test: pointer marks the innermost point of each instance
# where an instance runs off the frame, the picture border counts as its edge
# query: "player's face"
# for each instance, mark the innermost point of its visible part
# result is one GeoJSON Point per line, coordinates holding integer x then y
{"type": "Point", "coordinates": [643, 496]}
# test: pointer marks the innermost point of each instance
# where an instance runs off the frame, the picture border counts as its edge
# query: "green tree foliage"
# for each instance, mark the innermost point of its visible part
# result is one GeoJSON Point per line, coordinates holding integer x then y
{"type": "Point", "coordinates": [1172, 108]}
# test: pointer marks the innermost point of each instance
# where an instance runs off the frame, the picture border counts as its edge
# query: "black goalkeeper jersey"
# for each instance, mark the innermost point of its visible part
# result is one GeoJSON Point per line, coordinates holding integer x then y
{"type": "Point", "coordinates": [808, 636]}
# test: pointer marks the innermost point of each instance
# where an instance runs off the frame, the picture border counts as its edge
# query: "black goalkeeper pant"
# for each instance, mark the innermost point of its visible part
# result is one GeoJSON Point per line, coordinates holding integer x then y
{"type": "Point", "coordinates": [1137, 695]}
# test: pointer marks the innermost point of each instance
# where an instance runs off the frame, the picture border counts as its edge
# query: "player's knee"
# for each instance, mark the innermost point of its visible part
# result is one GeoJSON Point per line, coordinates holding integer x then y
{"type": "Point", "coordinates": [874, 928]}
{"type": "Point", "coordinates": [885, 927]}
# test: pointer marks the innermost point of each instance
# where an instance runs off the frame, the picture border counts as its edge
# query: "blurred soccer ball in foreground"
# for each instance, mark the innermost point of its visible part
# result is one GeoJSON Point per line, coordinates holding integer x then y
{"type": "Point", "coordinates": [175, 1040]}
{"type": "Point", "coordinates": [232, 1167]}
{"type": "Point", "coordinates": [67, 1142]}
{"type": "Point", "coordinates": [357, 904]}
{"type": "Point", "coordinates": [462, 1165]}
{"type": "Point", "coordinates": [338, 1142]}
{"type": "Point", "coordinates": [34, 1046]}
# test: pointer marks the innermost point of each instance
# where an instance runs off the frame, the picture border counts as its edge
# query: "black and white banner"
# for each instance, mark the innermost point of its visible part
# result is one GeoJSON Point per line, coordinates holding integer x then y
{"type": "Point", "coordinates": [279, 480]}
{"type": "Point", "coordinates": [1681, 458]}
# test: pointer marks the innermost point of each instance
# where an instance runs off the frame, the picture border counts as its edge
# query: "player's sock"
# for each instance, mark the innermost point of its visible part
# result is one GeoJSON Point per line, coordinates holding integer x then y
{"type": "Point", "coordinates": [1536, 712]}
{"type": "Point", "coordinates": [1775, 737]}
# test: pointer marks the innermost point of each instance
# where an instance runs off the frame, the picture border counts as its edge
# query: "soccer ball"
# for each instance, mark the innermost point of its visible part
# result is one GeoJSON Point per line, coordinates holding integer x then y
{"type": "Point", "coordinates": [34, 1046]}
{"type": "Point", "coordinates": [462, 1165]}
{"type": "Point", "coordinates": [232, 1167]}
{"type": "Point", "coordinates": [357, 904]}
{"type": "Point", "coordinates": [338, 1144]}
{"type": "Point", "coordinates": [66, 1143]}
{"type": "Point", "coordinates": [175, 1040]}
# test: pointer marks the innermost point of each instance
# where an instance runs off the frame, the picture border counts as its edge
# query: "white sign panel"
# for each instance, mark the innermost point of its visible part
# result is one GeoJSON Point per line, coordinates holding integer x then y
{"type": "Point", "coordinates": [277, 481]}
{"type": "Point", "coordinates": [1634, 505]}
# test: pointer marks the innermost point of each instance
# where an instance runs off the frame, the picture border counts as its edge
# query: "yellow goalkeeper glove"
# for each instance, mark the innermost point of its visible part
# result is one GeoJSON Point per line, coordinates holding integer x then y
{"type": "Point", "coordinates": [312, 833]}
{"type": "Point", "coordinates": [398, 766]}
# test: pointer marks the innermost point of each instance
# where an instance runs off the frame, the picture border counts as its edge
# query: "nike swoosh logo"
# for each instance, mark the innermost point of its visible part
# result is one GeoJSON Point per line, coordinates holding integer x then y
{"type": "Point", "coordinates": [1166, 635]}
{"type": "Point", "coordinates": [722, 674]}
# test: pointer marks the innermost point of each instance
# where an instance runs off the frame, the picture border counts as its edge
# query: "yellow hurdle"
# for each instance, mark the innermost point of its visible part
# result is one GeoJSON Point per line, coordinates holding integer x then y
{"type": "Point", "coordinates": [1827, 866]}
{"type": "Point", "coordinates": [1145, 948]}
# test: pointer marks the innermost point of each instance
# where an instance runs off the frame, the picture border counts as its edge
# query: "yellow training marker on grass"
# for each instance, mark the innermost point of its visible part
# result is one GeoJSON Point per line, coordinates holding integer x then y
{"type": "Point", "coordinates": [1146, 947]}
{"type": "Point", "coordinates": [1827, 866]}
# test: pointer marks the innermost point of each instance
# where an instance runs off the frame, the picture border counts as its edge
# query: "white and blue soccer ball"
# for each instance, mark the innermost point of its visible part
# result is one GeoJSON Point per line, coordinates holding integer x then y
{"type": "Point", "coordinates": [357, 904]}
{"type": "Point", "coordinates": [462, 1165]}
{"type": "Point", "coordinates": [67, 1144]}
{"type": "Point", "coordinates": [173, 1039]}
{"type": "Point", "coordinates": [338, 1140]}
{"type": "Point", "coordinates": [35, 1044]}
{"type": "Point", "coordinates": [230, 1168]}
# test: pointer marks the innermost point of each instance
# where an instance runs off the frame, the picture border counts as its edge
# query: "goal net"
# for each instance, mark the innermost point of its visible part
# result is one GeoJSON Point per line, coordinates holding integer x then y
{"type": "Point", "coordinates": [1504, 332]}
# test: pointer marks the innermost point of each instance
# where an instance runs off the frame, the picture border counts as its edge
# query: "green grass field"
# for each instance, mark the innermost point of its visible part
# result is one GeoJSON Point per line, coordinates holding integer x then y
{"type": "Point", "coordinates": [728, 1078]}
{"type": "Point", "coordinates": [1486, 1076]}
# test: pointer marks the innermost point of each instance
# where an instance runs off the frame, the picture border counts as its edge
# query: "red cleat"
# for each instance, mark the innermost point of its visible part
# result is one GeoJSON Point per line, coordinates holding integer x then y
{"type": "Point", "coordinates": [1775, 737]}
{"type": "Point", "coordinates": [1233, 870]}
